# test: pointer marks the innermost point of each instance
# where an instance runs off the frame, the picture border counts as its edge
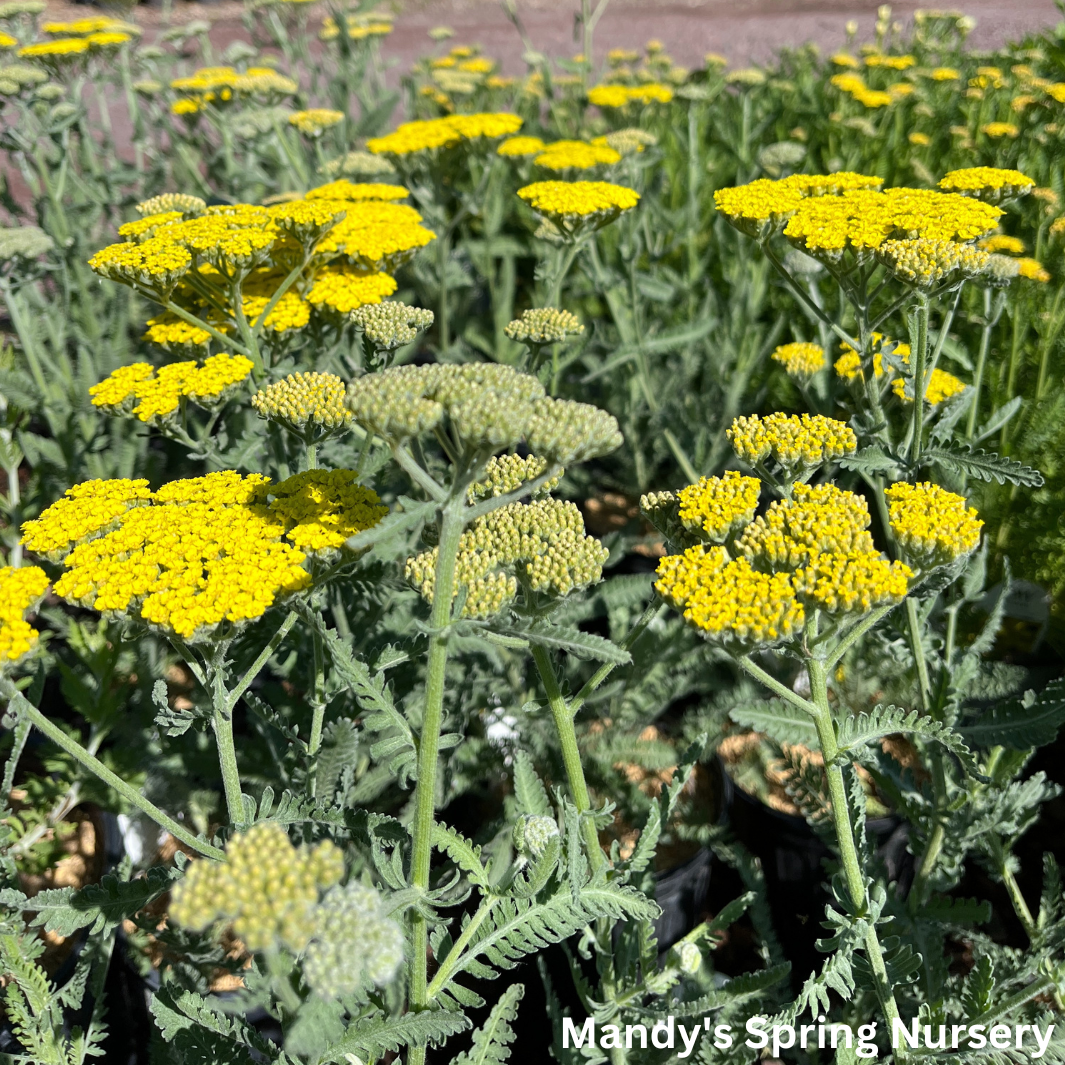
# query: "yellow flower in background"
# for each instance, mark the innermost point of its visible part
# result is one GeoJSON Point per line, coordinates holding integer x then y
{"type": "Point", "coordinates": [945, 74]}
{"type": "Point", "coordinates": [316, 121]}
{"type": "Point", "coordinates": [941, 385]}
{"type": "Point", "coordinates": [343, 289]}
{"type": "Point", "coordinates": [613, 95]}
{"type": "Point", "coordinates": [800, 359]}
{"type": "Point", "coordinates": [576, 155]}
{"type": "Point", "coordinates": [436, 133]}
{"type": "Point", "coordinates": [571, 205]}
{"type": "Point", "coordinates": [792, 440]}
{"type": "Point", "coordinates": [520, 146]}
{"type": "Point", "coordinates": [890, 62]}
{"type": "Point", "coordinates": [357, 191]}
{"type": "Point", "coordinates": [920, 140]}
{"type": "Point", "coordinates": [1000, 129]}
{"type": "Point", "coordinates": [1033, 270]}
{"type": "Point", "coordinates": [20, 590]}
{"type": "Point", "coordinates": [1002, 243]}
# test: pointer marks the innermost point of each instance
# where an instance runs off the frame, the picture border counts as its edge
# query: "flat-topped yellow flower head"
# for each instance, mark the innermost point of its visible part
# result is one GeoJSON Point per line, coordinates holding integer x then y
{"type": "Point", "coordinates": [573, 206]}
{"type": "Point", "coordinates": [435, 134]}
{"type": "Point", "coordinates": [576, 155]}
{"type": "Point", "coordinates": [20, 591]}
{"type": "Point", "coordinates": [728, 600]}
{"type": "Point", "coordinates": [800, 359]}
{"type": "Point", "coordinates": [305, 401]}
{"type": "Point", "coordinates": [991, 184]}
{"type": "Point", "coordinates": [817, 519]}
{"type": "Point", "coordinates": [795, 441]}
{"type": "Point", "coordinates": [933, 527]}
{"type": "Point", "coordinates": [340, 289]}
{"type": "Point", "coordinates": [715, 506]}
{"type": "Point", "coordinates": [199, 556]}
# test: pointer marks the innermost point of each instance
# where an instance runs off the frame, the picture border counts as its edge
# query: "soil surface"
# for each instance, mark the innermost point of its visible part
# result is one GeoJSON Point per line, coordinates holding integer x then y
{"type": "Point", "coordinates": [745, 31]}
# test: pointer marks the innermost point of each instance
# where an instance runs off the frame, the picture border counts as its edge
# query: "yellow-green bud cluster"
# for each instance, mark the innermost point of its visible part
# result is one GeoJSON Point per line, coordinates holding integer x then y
{"type": "Point", "coordinates": [302, 399]}
{"type": "Point", "coordinates": [544, 325]}
{"type": "Point", "coordinates": [358, 164]}
{"type": "Point", "coordinates": [23, 242]}
{"type": "Point", "coordinates": [794, 441]}
{"type": "Point", "coordinates": [932, 526]}
{"type": "Point", "coordinates": [927, 262]}
{"type": "Point", "coordinates": [629, 141]}
{"type": "Point", "coordinates": [489, 407]}
{"type": "Point", "coordinates": [355, 942]}
{"type": "Point", "coordinates": [507, 473]}
{"type": "Point", "coordinates": [532, 834]}
{"type": "Point", "coordinates": [801, 359]}
{"type": "Point", "coordinates": [716, 505]}
{"type": "Point", "coordinates": [188, 205]}
{"type": "Point", "coordinates": [266, 889]}
{"type": "Point", "coordinates": [391, 325]}
{"type": "Point", "coordinates": [543, 543]}
{"type": "Point", "coordinates": [1001, 270]}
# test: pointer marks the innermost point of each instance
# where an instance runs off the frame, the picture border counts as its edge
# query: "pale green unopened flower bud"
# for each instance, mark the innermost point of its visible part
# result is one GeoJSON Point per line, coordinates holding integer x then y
{"type": "Point", "coordinates": [255, 122]}
{"type": "Point", "coordinates": [630, 141]}
{"type": "Point", "coordinates": [488, 406]}
{"type": "Point", "coordinates": [507, 473]}
{"type": "Point", "coordinates": [24, 242]}
{"type": "Point", "coordinates": [390, 325]}
{"type": "Point", "coordinates": [51, 92]}
{"type": "Point", "coordinates": [172, 201]}
{"type": "Point", "coordinates": [774, 159]}
{"type": "Point", "coordinates": [266, 888]}
{"type": "Point", "coordinates": [303, 400]}
{"type": "Point", "coordinates": [544, 325]}
{"type": "Point", "coordinates": [690, 957]}
{"type": "Point", "coordinates": [22, 7]}
{"type": "Point", "coordinates": [926, 262]}
{"type": "Point", "coordinates": [532, 833]}
{"type": "Point", "coordinates": [1000, 270]}
{"type": "Point", "coordinates": [358, 164]}
{"type": "Point", "coordinates": [23, 75]}
{"type": "Point", "coordinates": [148, 87]}
{"type": "Point", "coordinates": [441, 33]}
{"type": "Point", "coordinates": [543, 544]}
{"type": "Point", "coordinates": [355, 942]}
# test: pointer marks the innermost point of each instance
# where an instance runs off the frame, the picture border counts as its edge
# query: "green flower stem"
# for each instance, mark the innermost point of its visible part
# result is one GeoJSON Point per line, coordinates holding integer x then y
{"type": "Point", "coordinates": [990, 321]}
{"type": "Point", "coordinates": [453, 521]}
{"type": "Point", "coordinates": [318, 703]}
{"type": "Point", "coordinates": [25, 709]}
{"type": "Point", "coordinates": [919, 380]}
{"type": "Point", "coordinates": [290, 279]}
{"type": "Point", "coordinates": [852, 869]}
{"type": "Point", "coordinates": [653, 611]}
{"type": "Point", "coordinates": [222, 723]}
{"type": "Point", "coordinates": [221, 337]}
{"type": "Point", "coordinates": [455, 956]}
{"type": "Point", "coordinates": [776, 687]}
{"type": "Point", "coordinates": [311, 452]}
{"type": "Point", "coordinates": [934, 846]}
{"type": "Point", "coordinates": [565, 256]}
{"type": "Point", "coordinates": [917, 646]}
{"type": "Point", "coordinates": [262, 658]}
{"type": "Point", "coordinates": [857, 633]}
{"type": "Point", "coordinates": [443, 318]}
{"type": "Point", "coordinates": [571, 755]}
{"type": "Point", "coordinates": [251, 343]}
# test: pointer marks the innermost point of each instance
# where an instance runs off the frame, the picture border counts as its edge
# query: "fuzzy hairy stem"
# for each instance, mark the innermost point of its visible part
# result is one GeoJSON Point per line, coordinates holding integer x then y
{"type": "Point", "coordinates": [451, 527]}
{"type": "Point", "coordinates": [26, 710]}
{"type": "Point", "coordinates": [571, 755]}
{"type": "Point", "coordinates": [852, 868]}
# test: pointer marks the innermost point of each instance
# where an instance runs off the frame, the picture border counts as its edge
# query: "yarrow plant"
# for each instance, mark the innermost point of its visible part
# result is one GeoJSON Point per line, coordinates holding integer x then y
{"type": "Point", "coordinates": [422, 653]}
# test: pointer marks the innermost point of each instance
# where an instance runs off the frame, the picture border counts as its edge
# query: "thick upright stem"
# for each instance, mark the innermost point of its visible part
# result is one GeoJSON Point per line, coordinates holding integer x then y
{"type": "Point", "coordinates": [451, 526]}
{"type": "Point", "coordinates": [222, 722]}
{"type": "Point", "coordinates": [981, 361]}
{"type": "Point", "coordinates": [571, 755]}
{"type": "Point", "coordinates": [443, 318]}
{"type": "Point", "coordinates": [852, 868]}
{"type": "Point", "coordinates": [318, 711]}
{"type": "Point", "coordinates": [919, 383]}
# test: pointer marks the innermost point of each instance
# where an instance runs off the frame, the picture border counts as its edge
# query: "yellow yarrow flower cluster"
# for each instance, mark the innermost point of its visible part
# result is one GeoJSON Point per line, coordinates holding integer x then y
{"type": "Point", "coordinates": [800, 359]}
{"type": "Point", "coordinates": [290, 313]}
{"type": "Point", "coordinates": [198, 553]}
{"type": "Point", "coordinates": [861, 220]}
{"type": "Point", "coordinates": [342, 189]}
{"type": "Point", "coordinates": [360, 27]}
{"type": "Point", "coordinates": [927, 262]}
{"type": "Point", "coordinates": [448, 132]}
{"type": "Point", "coordinates": [854, 86]}
{"type": "Point", "coordinates": [303, 400]}
{"type": "Point", "coordinates": [752, 206]}
{"type": "Point", "coordinates": [85, 510]}
{"type": "Point", "coordinates": [574, 205]}
{"type": "Point", "coordinates": [999, 129]}
{"type": "Point", "coordinates": [1033, 270]}
{"type": "Point", "coordinates": [988, 183]}
{"type": "Point", "coordinates": [728, 599]}
{"type": "Point", "coordinates": [576, 155]}
{"type": "Point", "coordinates": [855, 583]}
{"type": "Point", "coordinates": [156, 264]}
{"type": "Point", "coordinates": [175, 335]}
{"type": "Point", "coordinates": [84, 26]}
{"type": "Point", "coordinates": [20, 591]}
{"type": "Point", "coordinates": [716, 505]}
{"type": "Point", "coordinates": [890, 62]}
{"type": "Point", "coordinates": [376, 236]}
{"type": "Point", "coordinates": [156, 394]}
{"type": "Point", "coordinates": [941, 385]}
{"type": "Point", "coordinates": [266, 889]}
{"type": "Point", "coordinates": [58, 50]}
{"type": "Point", "coordinates": [614, 95]}
{"type": "Point", "coordinates": [516, 147]}
{"type": "Point", "coordinates": [325, 508]}
{"type": "Point", "coordinates": [542, 545]}
{"type": "Point", "coordinates": [933, 527]}
{"type": "Point", "coordinates": [1000, 243]}
{"type": "Point", "coordinates": [315, 121]}
{"type": "Point", "coordinates": [794, 441]}
{"type": "Point", "coordinates": [225, 82]}
{"type": "Point", "coordinates": [342, 289]}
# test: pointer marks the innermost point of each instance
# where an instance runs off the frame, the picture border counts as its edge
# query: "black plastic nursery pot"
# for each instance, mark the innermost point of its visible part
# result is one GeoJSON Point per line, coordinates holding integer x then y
{"type": "Point", "coordinates": [793, 860]}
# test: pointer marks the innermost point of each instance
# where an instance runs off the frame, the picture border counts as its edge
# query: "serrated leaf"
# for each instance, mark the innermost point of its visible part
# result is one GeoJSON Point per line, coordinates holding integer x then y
{"type": "Point", "coordinates": [491, 1042]}
{"type": "Point", "coordinates": [870, 460]}
{"type": "Point", "coordinates": [528, 788]}
{"type": "Point", "coordinates": [779, 720]}
{"type": "Point", "coordinates": [586, 645]}
{"type": "Point", "coordinates": [376, 1035]}
{"type": "Point", "coordinates": [983, 465]}
{"type": "Point", "coordinates": [1030, 721]}
{"type": "Point", "coordinates": [862, 729]}
{"type": "Point", "coordinates": [462, 852]}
